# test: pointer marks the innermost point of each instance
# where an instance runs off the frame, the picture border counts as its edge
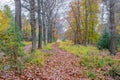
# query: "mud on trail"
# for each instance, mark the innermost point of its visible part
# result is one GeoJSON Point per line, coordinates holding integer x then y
{"type": "Point", "coordinates": [60, 66]}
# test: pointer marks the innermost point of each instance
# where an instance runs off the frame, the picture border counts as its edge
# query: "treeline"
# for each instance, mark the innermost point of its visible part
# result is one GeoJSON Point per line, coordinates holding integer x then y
{"type": "Point", "coordinates": [43, 13]}
{"type": "Point", "coordinates": [87, 20]}
{"type": "Point", "coordinates": [39, 23]}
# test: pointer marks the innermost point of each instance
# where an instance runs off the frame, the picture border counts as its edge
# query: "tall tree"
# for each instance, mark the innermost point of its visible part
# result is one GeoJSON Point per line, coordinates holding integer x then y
{"type": "Point", "coordinates": [18, 13]}
{"type": "Point", "coordinates": [33, 23]}
{"type": "Point", "coordinates": [39, 24]}
{"type": "Point", "coordinates": [112, 26]}
{"type": "Point", "coordinates": [86, 22]}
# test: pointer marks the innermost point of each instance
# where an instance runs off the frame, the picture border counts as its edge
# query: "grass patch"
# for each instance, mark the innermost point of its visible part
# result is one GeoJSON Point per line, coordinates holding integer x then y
{"type": "Point", "coordinates": [48, 46]}
{"type": "Point", "coordinates": [36, 58]}
{"type": "Point", "coordinates": [77, 49]}
{"type": "Point", "coordinates": [26, 43]}
{"type": "Point", "coordinates": [92, 60]}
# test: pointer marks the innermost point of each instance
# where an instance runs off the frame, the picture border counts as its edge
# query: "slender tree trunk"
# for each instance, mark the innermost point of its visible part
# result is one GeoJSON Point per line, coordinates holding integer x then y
{"type": "Point", "coordinates": [33, 23]}
{"type": "Point", "coordinates": [48, 31]}
{"type": "Point", "coordinates": [51, 33]}
{"type": "Point", "coordinates": [44, 21]}
{"type": "Point", "coordinates": [86, 22]}
{"type": "Point", "coordinates": [44, 31]}
{"type": "Point", "coordinates": [75, 39]}
{"type": "Point", "coordinates": [18, 14]}
{"type": "Point", "coordinates": [79, 26]}
{"type": "Point", "coordinates": [40, 26]}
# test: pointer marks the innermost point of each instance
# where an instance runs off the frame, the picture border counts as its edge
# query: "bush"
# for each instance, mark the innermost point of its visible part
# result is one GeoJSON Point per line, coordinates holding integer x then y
{"type": "Point", "coordinates": [104, 41]}
{"type": "Point", "coordinates": [10, 44]}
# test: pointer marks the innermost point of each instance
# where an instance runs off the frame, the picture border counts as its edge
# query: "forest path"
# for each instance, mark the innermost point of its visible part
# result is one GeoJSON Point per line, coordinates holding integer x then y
{"type": "Point", "coordinates": [61, 66]}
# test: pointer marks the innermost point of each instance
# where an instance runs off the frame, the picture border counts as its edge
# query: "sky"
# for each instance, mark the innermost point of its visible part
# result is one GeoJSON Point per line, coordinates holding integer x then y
{"type": "Point", "coordinates": [62, 12]}
{"type": "Point", "coordinates": [7, 2]}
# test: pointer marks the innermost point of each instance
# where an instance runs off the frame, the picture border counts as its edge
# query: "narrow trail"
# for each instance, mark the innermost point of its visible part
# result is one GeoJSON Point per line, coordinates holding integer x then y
{"type": "Point", "coordinates": [59, 66]}
{"type": "Point", "coordinates": [62, 66]}
{"type": "Point", "coordinates": [27, 48]}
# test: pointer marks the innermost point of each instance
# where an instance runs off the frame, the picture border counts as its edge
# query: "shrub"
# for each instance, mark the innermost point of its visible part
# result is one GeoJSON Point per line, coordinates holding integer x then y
{"type": "Point", "coordinates": [10, 44]}
{"type": "Point", "coordinates": [104, 41]}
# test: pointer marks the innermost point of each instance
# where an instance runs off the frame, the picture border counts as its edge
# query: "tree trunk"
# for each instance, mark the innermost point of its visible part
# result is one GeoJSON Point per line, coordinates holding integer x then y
{"type": "Point", "coordinates": [86, 22]}
{"type": "Point", "coordinates": [33, 23]}
{"type": "Point", "coordinates": [112, 28]}
{"type": "Point", "coordinates": [18, 14]}
{"type": "Point", "coordinates": [44, 31]}
{"type": "Point", "coordinates": [40, 26]}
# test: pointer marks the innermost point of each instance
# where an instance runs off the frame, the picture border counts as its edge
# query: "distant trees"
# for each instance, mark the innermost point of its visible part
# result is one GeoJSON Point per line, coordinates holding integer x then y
{"type": "Point", "coordinates": [26, 29]}
{"type": "Point", "coordinates": [46, 11]}
{"type": "Point", "coordinates": [83, 20]}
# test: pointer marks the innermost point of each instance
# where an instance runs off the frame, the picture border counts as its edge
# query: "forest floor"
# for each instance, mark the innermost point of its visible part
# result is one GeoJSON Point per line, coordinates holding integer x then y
{"type": "Point", "coordinates": [62, 65]}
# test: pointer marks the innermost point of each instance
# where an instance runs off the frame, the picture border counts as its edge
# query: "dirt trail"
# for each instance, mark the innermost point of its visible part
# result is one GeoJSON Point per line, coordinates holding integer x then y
{"type": "Point", "coordinates": [28, 48]}
{"type": "Point", "coordinates": [60, 66]}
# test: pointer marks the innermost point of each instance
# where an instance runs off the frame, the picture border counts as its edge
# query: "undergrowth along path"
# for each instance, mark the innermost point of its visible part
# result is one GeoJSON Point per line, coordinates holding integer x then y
{"type": "Point", "coordinates": [60, 66]}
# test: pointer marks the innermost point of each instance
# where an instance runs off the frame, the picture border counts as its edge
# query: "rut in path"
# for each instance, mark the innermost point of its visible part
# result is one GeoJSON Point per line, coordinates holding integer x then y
{"type": "Point", "coordinates": [62, 66]}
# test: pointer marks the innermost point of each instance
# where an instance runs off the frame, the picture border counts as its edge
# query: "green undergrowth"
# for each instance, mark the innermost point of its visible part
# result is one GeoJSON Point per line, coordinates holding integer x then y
{"type": "Point", "coordinates": [118, 48]}
{"type": "Point", "coordinates": [93, 60]}
{"type": "Point", "coordinates": [35, 58]}
{"type": "Point", "coordinates": [38, 56]}
{"type": "Point", "coordinates": [48, 46]}
{"type": "Point", "coordinates": [26, 43]}
{"type": "Point", "coordinates": [28, 59]}
{"type": "Point", "coordinates": [77, 49]}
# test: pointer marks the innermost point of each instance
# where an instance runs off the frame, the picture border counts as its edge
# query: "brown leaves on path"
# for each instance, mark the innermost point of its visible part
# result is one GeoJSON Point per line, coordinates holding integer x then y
{"type": "Point", "coordinates": [60, 66]}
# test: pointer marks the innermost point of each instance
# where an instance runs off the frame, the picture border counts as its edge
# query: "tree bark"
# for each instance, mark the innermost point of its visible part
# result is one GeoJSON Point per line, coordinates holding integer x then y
{"type": "Point", "coordinates": [86, 22]}
{"type": "Point", "coordinates": [40, 26]}
{"type": "Point", "coordinates": [33, 23]}
{"type": "Point", "coordinates": [112, 28]}
{"type": "Point", "coordinates": [18, 14]}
